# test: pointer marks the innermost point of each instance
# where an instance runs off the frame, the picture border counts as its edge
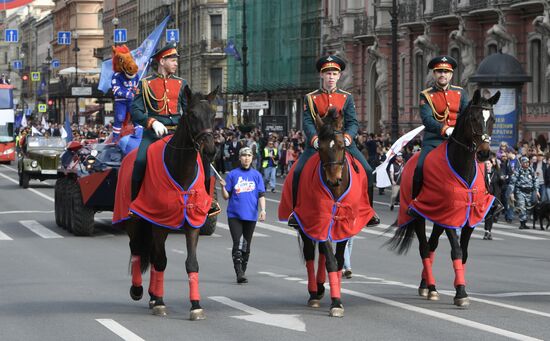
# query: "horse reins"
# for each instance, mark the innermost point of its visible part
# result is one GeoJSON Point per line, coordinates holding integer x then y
{"type": "Point", "coordinates": [338, 163]}
{"type": "Point", "coordinates": [196, 140]}
{"type": "Point", "coordinates": [484, 135]}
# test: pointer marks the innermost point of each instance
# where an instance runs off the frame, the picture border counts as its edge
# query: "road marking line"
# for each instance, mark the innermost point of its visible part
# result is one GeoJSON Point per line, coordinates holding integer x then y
{"type": "Point", "coordinates": [29, 189]}
{"type": "Point", "coordinates": [8, 167]}
{"type": "Point", "coordinates": [119, 330]}
{"type": "Point", "coordinates": [277, 229]}
{"type": "Point", "coordinates": [516, 228]}
{"type": "Point", "coordinates": [226, 227]}
{"type": "Point", "coordinates": [21, 212]}
{"type": "Point", "coordinates": [442, 316]}
{"type": "Point", "coordinates": [4, 236]}
{"type": "Point", "coordinates": [39, 229]}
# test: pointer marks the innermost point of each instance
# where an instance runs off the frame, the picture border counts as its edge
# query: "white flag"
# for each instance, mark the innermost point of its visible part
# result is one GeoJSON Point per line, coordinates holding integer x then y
{"type": "Point", "coordinates": [63, 132]}
{"type": "Point", "coordinates": [45, 124]}
{"type": "Point", "coordinates": [382, 178]}
{"type": "Point", "coordinates": [24, 121]}
{"type": "Point", "coordinates": [35, 131]}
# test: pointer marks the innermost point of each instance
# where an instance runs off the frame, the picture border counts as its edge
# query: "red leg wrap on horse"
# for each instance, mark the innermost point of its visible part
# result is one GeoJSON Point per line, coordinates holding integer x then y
{"type": "Point", "coordinates": [430, 280]}
{"type": "Point", "coordinates": [311, 284]}
{"type": "Point", "coordinates": [153, 280]}
{"type": "Point", "coordinates": [432, 257]}
{"type": "Point", "coordinates": [340, 277]}
{"type": "Point", "coordinates": [159, 284]}
{"type": "Point", "coordinates": [321, 269]}
{"type": "Point", "coordinates": [194, 286]}
{"type": "Point", "coordinates": [334, 284]}
{"type": "Point", "coordinates": [459, 272]}
{"type": "Point", "coordinates": [136, 270]}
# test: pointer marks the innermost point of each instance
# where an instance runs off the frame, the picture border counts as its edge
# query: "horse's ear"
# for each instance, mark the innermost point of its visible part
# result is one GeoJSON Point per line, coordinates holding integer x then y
{"type": "Point", "coordinates": [212, 96]}
{"type": "Point", "coordinates": [477, 97]}
{"type": "Point", "coordinates": [188, 93]}
{"type": "Point", "coordinates": [493, 100]}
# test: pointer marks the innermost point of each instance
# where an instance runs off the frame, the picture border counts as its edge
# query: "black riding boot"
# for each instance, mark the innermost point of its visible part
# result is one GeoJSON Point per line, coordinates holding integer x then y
{"type": "Point", "coordinates": [374, 221]}
{"type": "Point", "coordinates": [238, 265]}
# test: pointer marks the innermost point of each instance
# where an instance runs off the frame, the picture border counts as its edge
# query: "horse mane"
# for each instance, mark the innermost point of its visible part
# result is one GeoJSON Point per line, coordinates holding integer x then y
{"type": "Point", "coordinates": [120, 51]}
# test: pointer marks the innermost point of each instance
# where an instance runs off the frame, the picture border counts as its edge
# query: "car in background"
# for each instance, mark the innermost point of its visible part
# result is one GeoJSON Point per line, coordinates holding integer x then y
{"type": "Point", "coordinates": [39, 158]}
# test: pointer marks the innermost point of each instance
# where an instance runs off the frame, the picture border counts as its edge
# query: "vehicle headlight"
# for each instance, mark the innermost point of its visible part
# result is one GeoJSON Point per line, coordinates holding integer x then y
{"type": "Point", "coordinates": [34, 164]}
{"type": "Point", "coordinates": [9, 151]}
{"type": "Point", "coordinates": [94, 152]}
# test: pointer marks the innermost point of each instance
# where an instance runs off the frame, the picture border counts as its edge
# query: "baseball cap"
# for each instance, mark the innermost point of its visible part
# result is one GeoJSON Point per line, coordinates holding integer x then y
{"type": "Point", "coordinates": [245, 151]}
{"type": "Point", "coordinates": [524, 159]}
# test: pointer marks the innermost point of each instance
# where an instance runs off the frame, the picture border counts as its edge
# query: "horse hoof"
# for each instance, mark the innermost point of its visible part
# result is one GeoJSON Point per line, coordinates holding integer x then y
{"type": "Point", "coordinates": [197, 314]}
{"type": "Point", "coordinates": [159, 310]}
{"type": "Point", "coordinates": [336, 312]}
{"type": "Point", "coordinates": [136, 293]}
{"type": "Point", "coordinates": [423, 292]}
{"type": "Point", "coordinates": [462, 302]}
{"type": "Point", "coordinates": [433, 296]}
{"type": "Point", "coordinates": [314, 303]}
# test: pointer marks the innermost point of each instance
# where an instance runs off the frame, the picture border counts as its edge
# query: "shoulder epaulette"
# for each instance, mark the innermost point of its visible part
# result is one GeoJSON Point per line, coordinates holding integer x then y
{"type": "Point", "coordinates": [456, 87]}
{"type": "Point", "coordinates": [427, 89]}
{"type": "Point", "coordinates": [148, 77]}
{"type": "Point", "coordinates": [313, 92]}
{"type": "Point", "coordinates": [347, 93]}
{"type": "Point", "coordinates": [177, 77]}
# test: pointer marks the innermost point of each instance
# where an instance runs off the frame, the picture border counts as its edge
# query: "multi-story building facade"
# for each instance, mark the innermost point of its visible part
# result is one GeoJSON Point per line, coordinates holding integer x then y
{"type": "Point", "coordinates": [468, 30]}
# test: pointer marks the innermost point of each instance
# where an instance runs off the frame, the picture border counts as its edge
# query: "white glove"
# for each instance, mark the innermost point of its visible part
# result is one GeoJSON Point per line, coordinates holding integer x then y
{"type": "Point", "coordinates": [347, 142]}
{"type": "Point", "coordinates": [316, 144]}
{"type": "Point", "coordinates": [449, 131]}
{"type": "Point", "coordinates": [159, 128]}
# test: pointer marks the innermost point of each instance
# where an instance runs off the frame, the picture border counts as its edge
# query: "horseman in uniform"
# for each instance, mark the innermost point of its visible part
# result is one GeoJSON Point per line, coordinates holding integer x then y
{"type": "Point", "coordinates": [319, 102]}
{"type": "Point", "coordinates": [440, 106]}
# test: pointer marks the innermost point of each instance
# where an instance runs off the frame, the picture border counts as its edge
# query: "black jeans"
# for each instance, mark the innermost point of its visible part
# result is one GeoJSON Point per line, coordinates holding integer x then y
{"type": "Point", "coordinates": [239, 228]}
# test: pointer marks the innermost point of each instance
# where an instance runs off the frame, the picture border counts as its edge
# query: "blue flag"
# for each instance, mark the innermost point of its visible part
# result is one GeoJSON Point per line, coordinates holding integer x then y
{"type": "Point", "coordinates": [141, 55]}
{"type": "Point", "coordinates": [231, 50]}
{"type": "Point", "coordinates": [68, 129]}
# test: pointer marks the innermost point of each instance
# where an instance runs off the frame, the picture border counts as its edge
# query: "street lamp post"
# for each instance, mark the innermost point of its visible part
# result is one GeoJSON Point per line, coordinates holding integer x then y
{"type": "Point", "coordinates": [47, 65]}
{"type": "Point", "coordinates": [245, 62]}
{"type": "Point", "coordinates": [76, 50]}
{"type": "Point", "coordinates": [115, 22]}
{"type": "Point", "coordinates": [394, 47]}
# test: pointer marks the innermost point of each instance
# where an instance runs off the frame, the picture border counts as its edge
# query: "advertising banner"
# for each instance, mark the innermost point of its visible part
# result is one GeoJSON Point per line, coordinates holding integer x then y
{"type": "Point", "coordinates": [506, 115]}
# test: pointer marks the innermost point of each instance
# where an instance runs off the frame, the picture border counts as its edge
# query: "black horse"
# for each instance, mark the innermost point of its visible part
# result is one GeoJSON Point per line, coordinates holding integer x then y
{"type": "Point", "coordinates": [193, 135]}
{"type": "Point", "coordinates": [468, 145]}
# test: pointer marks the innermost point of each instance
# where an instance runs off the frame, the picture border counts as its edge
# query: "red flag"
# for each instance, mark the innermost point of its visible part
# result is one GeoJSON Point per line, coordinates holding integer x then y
{"type": "Point", "coordinates": [9, 4]}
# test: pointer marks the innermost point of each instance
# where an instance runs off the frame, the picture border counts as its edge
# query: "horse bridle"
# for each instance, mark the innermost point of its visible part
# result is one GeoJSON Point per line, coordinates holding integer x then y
{"type": "Point", "coordinates": [338, 163]}
{"type": "Point", "coordinates": [195, 139]}
{"type": "Point", "coordinates": [485, 137]}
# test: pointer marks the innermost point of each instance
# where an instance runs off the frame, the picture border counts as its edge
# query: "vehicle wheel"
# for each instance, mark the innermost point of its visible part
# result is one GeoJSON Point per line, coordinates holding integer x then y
{"type": "Point", "coordinates": [58, 204]}
{"type": "Point", "coordinates": [210, 224]}
{"type": "Point", "coordinates": [82, 217]}
{"type": "Point", "coordinates": [25, 179]}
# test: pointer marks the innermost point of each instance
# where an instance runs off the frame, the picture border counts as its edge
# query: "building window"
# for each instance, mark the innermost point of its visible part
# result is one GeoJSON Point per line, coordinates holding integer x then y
{"type": "Point", "coordinates": [492, 48]}
{"type": "Point", "coordinates": [402, 83]}
{"type": "Point", "coordinates": [419, 73]}
{"type": "Point", "coordinates": [216, 75]}
{"type": "Point", "coordinates": [457, 73]}
{"type": "Point", "coordinates": [536, 71]}
{"type": "Point", "coordinates": [216, 27]}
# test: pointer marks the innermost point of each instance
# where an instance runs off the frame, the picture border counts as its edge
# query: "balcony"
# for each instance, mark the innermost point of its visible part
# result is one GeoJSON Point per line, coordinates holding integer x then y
{"type": "Point", "coordinates": [538, 109]}
{"type": "Point", "coordinates": [409, 12]}
{"type": "Point", "coordinates": [363, 29]}
{"type": "Point", "coordinates": [213, 52]}
{"type": "Point", "coordinates": [441, 8]}
{"type": "Point", "coordinates": [478, 4]}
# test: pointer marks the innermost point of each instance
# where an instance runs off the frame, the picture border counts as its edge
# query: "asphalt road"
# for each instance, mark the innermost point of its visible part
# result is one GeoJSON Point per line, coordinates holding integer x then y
{"type": "Point", "coordinates": [55, 286]}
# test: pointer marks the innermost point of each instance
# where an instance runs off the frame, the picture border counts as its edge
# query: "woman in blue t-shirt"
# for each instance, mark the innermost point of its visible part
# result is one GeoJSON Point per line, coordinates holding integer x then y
{"type": "Point", "coordinates": [244, 187]}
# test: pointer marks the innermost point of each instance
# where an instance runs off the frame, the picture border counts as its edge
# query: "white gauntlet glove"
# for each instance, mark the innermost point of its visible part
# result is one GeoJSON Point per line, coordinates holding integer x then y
{"type": "Point", "coordinates": [449, 131]}
{"type": "Point", "coordinates": [316, 144]}
{"type": "Point", "coordinates": [159, 129]}
{"type": "Point", "coordinates": [347, 142]}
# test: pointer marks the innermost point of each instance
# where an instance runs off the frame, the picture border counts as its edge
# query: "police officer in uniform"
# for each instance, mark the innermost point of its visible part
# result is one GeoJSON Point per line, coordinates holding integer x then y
{"type": "Point", "coordinates": [523, 186]}
{"type": "Point", "coordinates": [159, 103]}
{"type": "Point", "coordinates": [440, 106]}
{"type": "Point", "coordinates": [319, 102]}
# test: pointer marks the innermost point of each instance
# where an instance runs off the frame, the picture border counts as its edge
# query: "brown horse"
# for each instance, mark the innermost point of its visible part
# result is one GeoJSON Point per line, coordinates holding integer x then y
{"type": "Point", "coordinates": [178, 160]}
{"type": "Point", "coordinates": [468, 145]}
{"type": "Point", "coordinates": [340, 210]}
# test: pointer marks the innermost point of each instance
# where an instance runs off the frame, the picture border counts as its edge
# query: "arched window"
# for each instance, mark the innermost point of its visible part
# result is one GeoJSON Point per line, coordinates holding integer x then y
{"type": "Point", "coordinates": [536, 70]}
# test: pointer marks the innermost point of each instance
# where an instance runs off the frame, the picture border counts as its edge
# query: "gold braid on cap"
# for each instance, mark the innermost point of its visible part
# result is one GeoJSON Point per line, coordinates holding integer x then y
{"type": "Point", "coordinates": [148, 95]}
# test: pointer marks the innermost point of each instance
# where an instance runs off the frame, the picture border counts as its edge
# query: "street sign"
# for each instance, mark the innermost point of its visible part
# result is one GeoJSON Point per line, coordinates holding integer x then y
{"type": "Point", "coordinates": [56, 63]}
{"type": "Point", "coordinates": [172, 36]}
{"type": "Point", "coordinates": [11, 36]}
{"type": "Point", "coordinates": [35, 76]}
{"type": "Point", "coordinates": [120, 35]}
{"type": "Point", "coordinates": [42, 107]}
{"type": "Point", "coordinates": [64, 38]}
{"type": "Point", "coordinates": [81, 91]}
{"type": "Point", "coordinates": [17, 64]}
{"type": "Point", "coordinates": [255, 105]}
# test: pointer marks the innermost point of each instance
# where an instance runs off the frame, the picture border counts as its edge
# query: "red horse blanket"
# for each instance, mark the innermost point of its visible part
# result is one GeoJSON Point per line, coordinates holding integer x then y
{"type": "Point", "coordinates": [445, 198]}
{"type": "Point", "coordinates": [320, 216]}
{"type": "Point", "coordinates": [161, 200]}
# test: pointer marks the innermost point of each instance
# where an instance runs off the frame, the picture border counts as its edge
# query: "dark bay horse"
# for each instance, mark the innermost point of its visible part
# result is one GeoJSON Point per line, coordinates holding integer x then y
{"type": "Point", "coordinates": [193, 136]}
{"type": "Point", "coordinates": [335, 173]}
{"type": "Point", "coordinates": [468, 145]}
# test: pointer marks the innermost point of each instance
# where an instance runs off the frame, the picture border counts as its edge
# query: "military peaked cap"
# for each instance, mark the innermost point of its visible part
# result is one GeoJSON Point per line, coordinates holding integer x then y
{"type": "Point", "coordinates": [170, 50]}
{"type": "Point", "coordinates": [330, 63]}
{"type": "Point", "coordinates": [443, 63]}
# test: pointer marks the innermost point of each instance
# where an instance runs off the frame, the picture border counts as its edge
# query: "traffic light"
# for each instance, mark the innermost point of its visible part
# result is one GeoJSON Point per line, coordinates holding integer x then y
{"type": "Point", "coordinates": [50, 102]}
{"type": "Point", "coordinates": [25, 77]}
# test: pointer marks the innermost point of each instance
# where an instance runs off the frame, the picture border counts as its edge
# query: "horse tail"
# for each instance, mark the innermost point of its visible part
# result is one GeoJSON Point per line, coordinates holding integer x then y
{"type": "Point", "coordinates": [301, 247]}
{"type": "Point", "coordinates": [402, 237]}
